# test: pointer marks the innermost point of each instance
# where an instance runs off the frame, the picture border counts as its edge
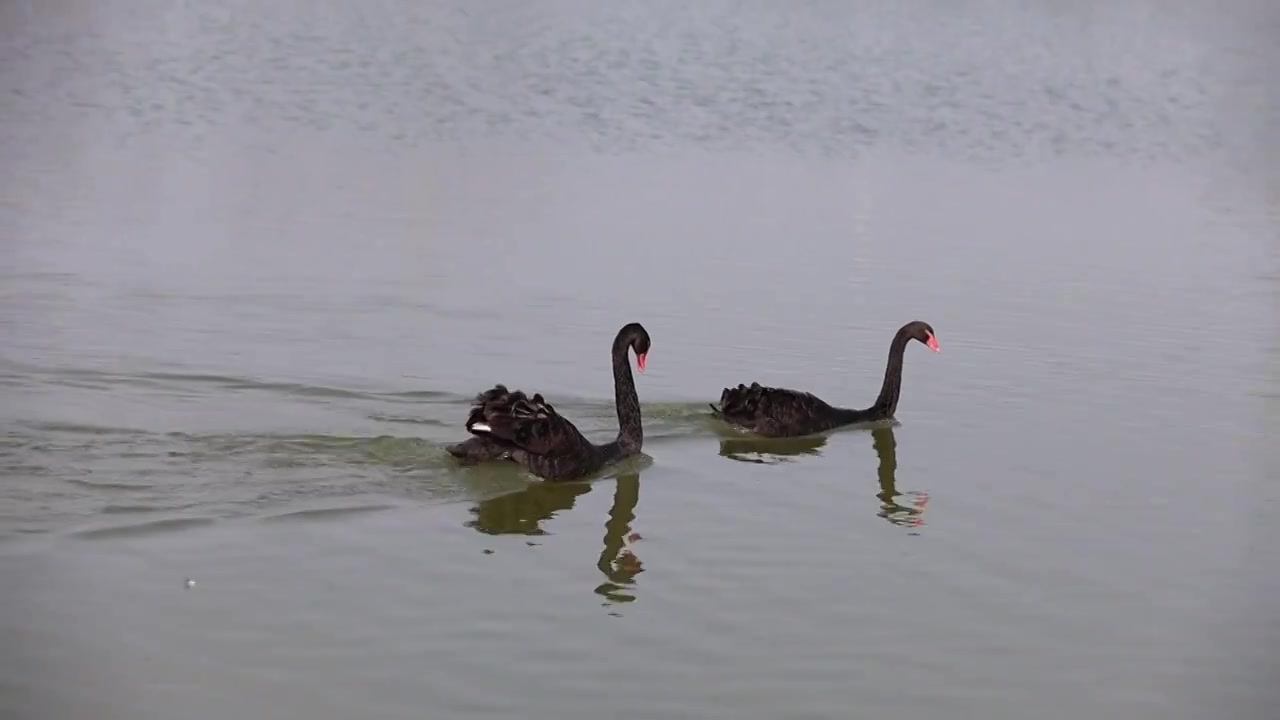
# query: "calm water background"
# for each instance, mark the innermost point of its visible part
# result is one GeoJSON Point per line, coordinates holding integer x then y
{"type": "Point", "coordinates": [255, 258]}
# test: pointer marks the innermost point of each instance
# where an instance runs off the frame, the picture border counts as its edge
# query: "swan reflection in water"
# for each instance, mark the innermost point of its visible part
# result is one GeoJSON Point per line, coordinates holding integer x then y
{"type": "Point", "coordinates": [775, 450]}
{"type": "Point", "coordinates": [886, 446]}
{"type": "Point", "coordinates": [523, 512]}
{"type": "Point", "coordinates": [768, 451]}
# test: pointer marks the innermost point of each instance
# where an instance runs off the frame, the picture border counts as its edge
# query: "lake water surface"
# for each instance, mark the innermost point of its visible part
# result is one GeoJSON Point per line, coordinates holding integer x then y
{"type": "Point", "coordinates": [255, 259]}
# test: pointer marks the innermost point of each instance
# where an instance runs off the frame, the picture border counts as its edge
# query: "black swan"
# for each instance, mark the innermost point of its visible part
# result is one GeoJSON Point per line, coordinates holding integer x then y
{"type": "Point", "coordinates": [778, 412]}
{"type": "Point", "coordinates": [510, 425]}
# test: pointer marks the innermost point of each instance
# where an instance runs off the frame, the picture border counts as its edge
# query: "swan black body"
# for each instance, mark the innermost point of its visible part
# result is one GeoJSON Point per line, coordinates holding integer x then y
{"type": "Point", "coordinates": [779, 412]}
{"type": "Point", "coordinates": [510, 425]}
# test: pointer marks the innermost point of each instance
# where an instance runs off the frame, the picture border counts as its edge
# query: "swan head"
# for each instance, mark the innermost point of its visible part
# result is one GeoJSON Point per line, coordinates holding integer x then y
{"type": "Point", "coordinates": [922, 331]}
{"type": "Point", "coordinates": [634, 336]}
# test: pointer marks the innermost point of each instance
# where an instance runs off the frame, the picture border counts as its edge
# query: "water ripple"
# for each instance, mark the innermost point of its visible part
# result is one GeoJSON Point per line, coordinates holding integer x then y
{"type": "Point", "coordinates": [326, 513]}
{"type": "Point", "coordinates": [141, 529]}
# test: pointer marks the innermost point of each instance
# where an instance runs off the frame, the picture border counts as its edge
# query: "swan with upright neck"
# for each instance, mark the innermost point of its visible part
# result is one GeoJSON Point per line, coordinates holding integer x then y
{"type": "Point", "coordinates": [779, 412]}
{"type": "Point", "coordinates": [510, 425]}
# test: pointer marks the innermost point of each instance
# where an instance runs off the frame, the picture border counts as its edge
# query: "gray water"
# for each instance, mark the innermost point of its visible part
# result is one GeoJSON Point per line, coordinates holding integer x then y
{"type": "Point", "coordinates": [256, 259]}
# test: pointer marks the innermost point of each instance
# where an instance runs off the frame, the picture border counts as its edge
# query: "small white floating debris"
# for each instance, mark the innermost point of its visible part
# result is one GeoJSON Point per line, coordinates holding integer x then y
{"type": "Point", "coordinates": [189, 583]}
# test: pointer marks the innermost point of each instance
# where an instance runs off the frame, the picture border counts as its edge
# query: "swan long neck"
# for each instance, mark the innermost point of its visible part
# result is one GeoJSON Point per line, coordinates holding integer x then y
{"type": "Point", "coordinates": [887, 402]}
{"type": "Point", "coordinates": [630, 432]}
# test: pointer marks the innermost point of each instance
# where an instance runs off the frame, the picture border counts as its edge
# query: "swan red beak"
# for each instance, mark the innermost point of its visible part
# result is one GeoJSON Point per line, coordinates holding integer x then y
{"type": "Point", "coordinates": [932, 342]}
{"type": "Point", "coordinates": [640, 359]}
